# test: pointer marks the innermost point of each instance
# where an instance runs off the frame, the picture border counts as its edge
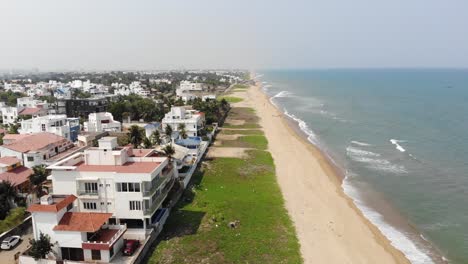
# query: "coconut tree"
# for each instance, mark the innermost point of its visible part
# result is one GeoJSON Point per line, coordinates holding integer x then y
{"type": "Point", "coordinates": [38, 177]}
{"type": "Point", "coordinates": [168, 131]}
{"type": "Point", "coordinates": [8, 193]}
{"type": "Point", "coordinates": [135, 136]}
{"type": "Point", "coordinates": [169, 150]}
{"type": "Point", "coordinates": [156, 137]}
{"type": "Point", "coordinates": [182, 131]}
{"type": "Point", "coordinates": [147, 143]}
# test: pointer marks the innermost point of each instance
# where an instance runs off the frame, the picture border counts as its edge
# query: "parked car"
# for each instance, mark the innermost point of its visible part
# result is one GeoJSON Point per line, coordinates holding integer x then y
{"type": "Point", "coordinates": [130, 246]}
{"type": "Point", "coordinates": [10, 242]}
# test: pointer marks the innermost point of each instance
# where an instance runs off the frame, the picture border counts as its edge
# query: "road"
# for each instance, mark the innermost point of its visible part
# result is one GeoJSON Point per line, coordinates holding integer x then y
{"type": "Point", "coordinates": [8, 256]}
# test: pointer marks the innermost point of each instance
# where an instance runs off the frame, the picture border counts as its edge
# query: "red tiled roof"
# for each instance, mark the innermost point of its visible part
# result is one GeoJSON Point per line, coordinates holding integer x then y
{"type": "Point", "coordinates": [34, 142]}
{"type": "Point", "coordinates": [57, 206]}
{"type": "Point", "coordinates": [15, 136]}
{"type": "Point", "coordinates": [8, 161]}
{"type": "Point", "coordinates": [17, 176]}
{"type": "Point", "coordinates": [82, 222]}
{"type": "Point", "coordinates": [30, 111]}
{"type": "Point", "coordinates": [129, 167]}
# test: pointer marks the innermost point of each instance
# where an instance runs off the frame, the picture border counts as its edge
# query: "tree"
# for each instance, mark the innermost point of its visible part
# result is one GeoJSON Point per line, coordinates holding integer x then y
{"type": "Point", "coordinates": [38, 177]}
{"type": "Point", "coordinates": [169, 151]}
{"type": "Point", "coordinates": [156, 137]}
{"type": "Point", "coordinates": [40, 247]}
{"type": "Point", "coordinates": [135, 135]}
{"type": "Point", "coordinates": [147, 143]}
{"type": "Point", "coordinates": [168, 131]}
{"type": "Point", "coordinates": [13, 128]}
{"type": "Point", "coordinates": [183, 132]}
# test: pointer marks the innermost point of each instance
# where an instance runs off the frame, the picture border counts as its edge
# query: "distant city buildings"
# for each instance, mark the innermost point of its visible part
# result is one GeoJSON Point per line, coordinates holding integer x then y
{"type": "Point", "coordinates": [57, 124]}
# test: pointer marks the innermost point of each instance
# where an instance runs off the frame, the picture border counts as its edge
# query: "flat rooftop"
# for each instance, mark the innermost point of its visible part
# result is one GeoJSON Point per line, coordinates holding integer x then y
{"type": "Point", "coordinates": [129, 167]}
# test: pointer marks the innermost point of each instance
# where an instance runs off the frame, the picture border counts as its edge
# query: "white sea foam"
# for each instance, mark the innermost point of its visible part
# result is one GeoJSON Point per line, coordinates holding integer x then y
{"type": "Point", "coordinates": [398, 146]}
{"type": "Point", "coordinates": [360, 152]}
{"type": "Point", "coordinates": [360, 143]}
{"type": "Point", "coordinates": [398, 239]}
{"type": "Point", "coordinates": [283, 94]}
{"type": "Point", "coordinates": [373, 161]}
{"type": "Point", "coordinates": [304, 127]}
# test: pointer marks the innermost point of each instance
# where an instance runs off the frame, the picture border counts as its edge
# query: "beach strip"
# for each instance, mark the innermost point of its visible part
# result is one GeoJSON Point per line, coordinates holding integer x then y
{"type": "Point", "coordinates": [330, 228]}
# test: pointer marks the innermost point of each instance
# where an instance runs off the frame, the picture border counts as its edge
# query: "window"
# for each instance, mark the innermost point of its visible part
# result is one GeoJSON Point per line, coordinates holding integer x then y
{"type": "Point", "coordinates": [96, 254]}
{"type": "Point", "coordinates": [30, 158]}
{"type": "Point", "coordinates": [135, 205]}
{"type": "Point", "coordinates": [91, 187]}
{"type": "Point", "coordinates": [128, 187]}
{"type": "Point", "coordinates": [69, 207]}
{"type": "Point", "coordinates": [43, 127]}
{"type": "Point", "coordinates": [89, 206]}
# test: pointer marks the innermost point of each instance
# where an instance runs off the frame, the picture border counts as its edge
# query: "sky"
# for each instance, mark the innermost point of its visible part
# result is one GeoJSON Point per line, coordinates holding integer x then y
{"type": "Point", "coordinates": [255, 34]}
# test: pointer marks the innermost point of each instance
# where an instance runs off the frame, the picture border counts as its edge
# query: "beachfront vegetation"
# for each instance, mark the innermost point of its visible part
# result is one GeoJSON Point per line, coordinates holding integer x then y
{"type": "Point", "coordinates": [246, 114]}
{"type": "Point", "coordinates": [232, 210]}
{"type": "Point", "coordinates": [230, 190]}
{"type": "Point", "coordinates": [242, 132]}
{"type": "Point", "coordinates": [14, 218]}
{"type": "Point", "coordinates": [250, 141]}
{"type": "Point", "coordinates": [240, 87]}
{"type": "Point", "coordinates": [230, 99]}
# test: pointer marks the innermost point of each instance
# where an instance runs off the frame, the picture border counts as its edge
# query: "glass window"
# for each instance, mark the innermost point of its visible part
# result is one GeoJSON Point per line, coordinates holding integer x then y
{"type": "Point", "coordinates": [96, 254]}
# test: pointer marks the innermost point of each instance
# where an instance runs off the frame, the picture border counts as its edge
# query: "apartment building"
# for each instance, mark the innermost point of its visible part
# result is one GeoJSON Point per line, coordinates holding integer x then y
{"type": "Point", "coordinates": [129, 184]}
{"type": "Point", "coordinates": [101, 122]}
{"type": "Point", "coordinates": [60, 125]}
{"type": "Point", "coordinates": [192, 119]}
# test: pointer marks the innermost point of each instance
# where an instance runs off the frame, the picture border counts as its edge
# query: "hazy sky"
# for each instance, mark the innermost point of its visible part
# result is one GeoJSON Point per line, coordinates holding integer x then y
{"type": "Point", "coordinates": [153, 34]}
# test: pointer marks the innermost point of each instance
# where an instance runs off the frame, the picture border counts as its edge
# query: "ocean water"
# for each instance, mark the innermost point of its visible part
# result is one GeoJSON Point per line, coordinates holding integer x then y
{"type": "Point", "coordinates": [401, 138]}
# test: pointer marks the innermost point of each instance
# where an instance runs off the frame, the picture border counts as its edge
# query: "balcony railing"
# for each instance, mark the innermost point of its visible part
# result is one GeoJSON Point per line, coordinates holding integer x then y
{"type": "Point", "coordinates": [163, 178]}
{"type": "Point", "coordinates": [88, 192]}
{"type": "Point", "coordinates": [90, 244]}
{"type": "Point", "coordinates": [157, 203]}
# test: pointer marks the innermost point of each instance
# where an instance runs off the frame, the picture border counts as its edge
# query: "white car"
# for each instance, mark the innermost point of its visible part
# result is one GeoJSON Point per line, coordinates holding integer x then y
{"type": "Point", "coordinates": [10, 242]}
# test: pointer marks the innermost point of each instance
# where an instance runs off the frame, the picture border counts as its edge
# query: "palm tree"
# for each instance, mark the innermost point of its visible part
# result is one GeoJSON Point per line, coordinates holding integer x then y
{"type": "Point", "coordinates": [156, 137]}
{"type": "Point", "coordinates": [182, 130]}
{"type": "Point", "coordinates": [169, 151]}
{"type": "Point", "coordinates": [168, 131]}
{"type": "Point", "coordinates": [8, 191]}
{"type": "Point", "coordinates": [147, 143]}
{"type": "Point", "coordinates": [135, 136]}
{"type": "Point", "coordinates": [38, 177]}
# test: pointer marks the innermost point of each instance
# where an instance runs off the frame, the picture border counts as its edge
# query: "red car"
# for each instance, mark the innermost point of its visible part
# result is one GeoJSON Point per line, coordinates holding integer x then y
{"type": "Point", "coordinates": [130, 246]}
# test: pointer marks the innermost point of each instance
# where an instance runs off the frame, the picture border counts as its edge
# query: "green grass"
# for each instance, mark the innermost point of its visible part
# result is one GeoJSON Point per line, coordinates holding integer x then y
{"type": "Point", "coordinates": [230, 189]}
{"type": "Point", "coordinates": [243, 113]}
{"type": "Point", "coordinates": [250, 141]}
{"type": "Point", "coordinates": [240, 87]}
{"type": "Point", "coordinates": [231, 99]}
{"type": "Point", "coordinates": [225, 190]}
{"type": "Point", "coordinates": [14, 218]}
{"type": "Point", "coordinates": [242, 131]}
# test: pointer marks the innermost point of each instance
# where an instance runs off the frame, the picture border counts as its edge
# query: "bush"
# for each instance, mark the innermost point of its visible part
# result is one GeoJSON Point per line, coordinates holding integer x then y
{"type": "Point", "coordinates": [14, 218]}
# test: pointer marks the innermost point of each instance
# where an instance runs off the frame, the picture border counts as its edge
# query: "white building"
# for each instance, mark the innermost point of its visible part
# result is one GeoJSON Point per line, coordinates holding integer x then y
{"type": "Point", "coordinates": [192, 119]}
{"type": "Point", "coordinates": [35, 149]}
{"type": "Point", "coordinates": [190, 86]}
{"type": "Point", "coordinates": [100, 122]}
{"type": "Point", "coordinates": [30, 102]}
{"type": "Point", "coordinates": [9, 114]}
{"type": "Point", "coordinates": [56, 124]}
{"type": "Point", "coordinates": [75, 235]}
{"type": "Point", "coordinates": [129, 184]}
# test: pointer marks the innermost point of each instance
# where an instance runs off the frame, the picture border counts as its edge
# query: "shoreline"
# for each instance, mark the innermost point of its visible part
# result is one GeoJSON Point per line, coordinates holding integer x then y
{"type": "Point", "coordinates": [376, 210]}
{"type": "Point", "coordinates": [387, 252]}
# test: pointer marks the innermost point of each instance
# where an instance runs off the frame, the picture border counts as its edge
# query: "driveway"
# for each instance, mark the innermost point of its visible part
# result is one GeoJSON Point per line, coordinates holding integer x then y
{"type": "Point", "coordinates": [8, 256]}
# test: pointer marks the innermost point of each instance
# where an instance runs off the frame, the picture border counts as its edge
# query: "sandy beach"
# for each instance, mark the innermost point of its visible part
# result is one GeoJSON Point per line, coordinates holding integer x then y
{"type": "Point", "coordinates": [329, 226]}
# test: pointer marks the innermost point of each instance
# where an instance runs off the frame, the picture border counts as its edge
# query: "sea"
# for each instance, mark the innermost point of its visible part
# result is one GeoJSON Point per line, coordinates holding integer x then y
{"type": "Point", "coordinates": [400, 139]}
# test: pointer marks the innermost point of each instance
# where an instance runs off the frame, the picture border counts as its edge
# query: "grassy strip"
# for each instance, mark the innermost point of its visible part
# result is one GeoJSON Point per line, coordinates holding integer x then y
{"type": "Point", "coordinates": [14, 218]}
{"type": "Point", "coordinates": [226, 190]}
{"type": "Point", "coordinates": [243, 113]}
{"type": "Point", "coordinates": [242, 132]}
{"type": "Point", "coordinates": [251, 141]}
{"type": "Point", "coordinates": [240, 86]}
{"type": "Point", "coordinates": [231, 99]}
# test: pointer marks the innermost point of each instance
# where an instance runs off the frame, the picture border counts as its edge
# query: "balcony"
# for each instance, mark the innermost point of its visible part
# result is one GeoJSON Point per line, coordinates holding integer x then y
{"type": "Point", "coordinates": [105, 238]}
{"type": "Point", "coordinates": [82, 192]}
{"type": "Point", "coordinates": [165, 176]}
{"type": "Point", "coordinates": [157, 203]}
